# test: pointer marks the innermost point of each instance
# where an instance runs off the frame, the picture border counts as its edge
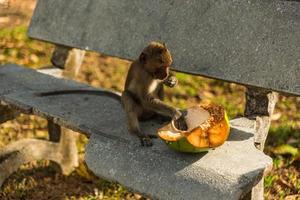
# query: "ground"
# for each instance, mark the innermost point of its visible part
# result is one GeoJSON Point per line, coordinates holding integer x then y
{"type": "Point", "coordinates": [41, 180]}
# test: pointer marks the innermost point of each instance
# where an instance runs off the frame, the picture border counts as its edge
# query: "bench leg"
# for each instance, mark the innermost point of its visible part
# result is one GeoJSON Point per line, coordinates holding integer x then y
{"type": "Point", "coordinates": [257, 192]}
{"type": "Point", "coordinates": [67, 140]}
{"type": "Point", "coordinates": [70, 60]}
{"type": "Point", "coordinates": [24, 151]}
{"type": "Point", "coordinates": [63, 151]}
{"type": "Point", "coordinates": [69, 151]}
{"type": "Point", "coordinates": [260, 105]}
{"type": "Point", "coordinates": [73, 64]}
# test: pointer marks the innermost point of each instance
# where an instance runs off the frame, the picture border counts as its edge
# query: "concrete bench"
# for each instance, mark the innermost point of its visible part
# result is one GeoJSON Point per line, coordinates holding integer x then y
{"type": "Point", "coordinates": [254, 43]}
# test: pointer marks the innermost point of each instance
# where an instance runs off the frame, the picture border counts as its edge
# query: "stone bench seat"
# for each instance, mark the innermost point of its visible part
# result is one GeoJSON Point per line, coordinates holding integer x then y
{"type": "Point", "coordinates": [112, 153]}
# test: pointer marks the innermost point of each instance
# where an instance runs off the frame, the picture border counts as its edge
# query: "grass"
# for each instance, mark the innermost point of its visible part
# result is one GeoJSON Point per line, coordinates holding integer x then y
{"type": "Point", "coordinates": [15, 47]}
{"type": "Point", "coordinates": [40, 180]}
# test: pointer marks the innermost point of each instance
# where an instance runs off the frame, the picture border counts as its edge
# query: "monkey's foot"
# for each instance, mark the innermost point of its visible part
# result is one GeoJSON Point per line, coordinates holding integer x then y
{"type": "Point", "coordinates": [152, 136]}
{"type": "Point", "coordinates": [146, 141]}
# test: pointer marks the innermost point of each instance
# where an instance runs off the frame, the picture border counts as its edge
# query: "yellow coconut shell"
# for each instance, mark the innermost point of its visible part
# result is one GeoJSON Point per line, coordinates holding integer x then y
{"type": "Point", "coordinates": [208, 127]}
{"type": "Point", "coordinates": [169, 133]}
{"type": "Point", "coordinates": [198, 138]}
{"type": "Point", "coordinates": [218, 133]}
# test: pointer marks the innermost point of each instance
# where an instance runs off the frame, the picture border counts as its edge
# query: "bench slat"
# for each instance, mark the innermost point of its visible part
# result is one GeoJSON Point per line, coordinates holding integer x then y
{"type": "Point", "coordinates": [14, 78]}
{"type": "Point", "coordinates": [253, 42]}
{"type": "Point", "coordinates": [112, 153]}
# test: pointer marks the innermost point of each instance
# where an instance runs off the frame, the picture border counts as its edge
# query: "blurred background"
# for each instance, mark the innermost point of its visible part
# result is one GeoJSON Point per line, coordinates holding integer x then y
{"type": "Point", "coordinates": [40, 180]}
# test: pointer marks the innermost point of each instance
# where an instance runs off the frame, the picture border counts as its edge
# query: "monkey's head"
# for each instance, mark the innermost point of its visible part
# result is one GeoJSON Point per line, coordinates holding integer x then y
{"type": "Point", "coordinates": [156, 60]}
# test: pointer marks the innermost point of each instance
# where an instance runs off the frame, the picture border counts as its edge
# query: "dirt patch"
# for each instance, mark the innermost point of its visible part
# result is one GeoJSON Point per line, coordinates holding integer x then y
{"type": "Point", "coordinates": [40, 181]}
{"type": "Point", "coordinates": [15, 12]}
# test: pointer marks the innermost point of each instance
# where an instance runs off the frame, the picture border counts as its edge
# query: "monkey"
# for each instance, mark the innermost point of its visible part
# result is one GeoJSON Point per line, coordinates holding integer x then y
{"type": "Point", "coordinates": [143, 93]}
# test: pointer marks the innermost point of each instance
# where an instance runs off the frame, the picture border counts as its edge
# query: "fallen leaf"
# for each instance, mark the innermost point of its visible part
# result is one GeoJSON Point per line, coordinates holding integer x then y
{"type": "Point", "coordinates": [276, 116]}
{"type": "Point", "coordinates": [292, 197]}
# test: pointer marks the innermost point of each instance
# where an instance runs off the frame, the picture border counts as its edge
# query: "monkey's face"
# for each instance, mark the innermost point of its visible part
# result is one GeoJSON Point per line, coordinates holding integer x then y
{"type": "Point", "coordinates": [156, 60]}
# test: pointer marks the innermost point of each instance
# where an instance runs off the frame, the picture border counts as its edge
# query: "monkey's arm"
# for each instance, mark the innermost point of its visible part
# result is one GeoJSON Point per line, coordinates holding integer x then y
{"type": "Point", "coordinates": [160, 107]}
{"type": "Point", "coordinates": [171, 81]}
{"type": "Point", "coordinates": [133, 110]}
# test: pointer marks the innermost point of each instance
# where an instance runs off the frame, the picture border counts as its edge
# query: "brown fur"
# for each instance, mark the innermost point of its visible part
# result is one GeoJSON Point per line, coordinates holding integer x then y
{"type": "Point", "coordinates": [143, 93]}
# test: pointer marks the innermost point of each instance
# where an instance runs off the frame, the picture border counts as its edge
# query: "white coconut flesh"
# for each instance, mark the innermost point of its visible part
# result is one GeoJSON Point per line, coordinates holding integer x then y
{"type": "Point", "coordinates": [195, 117]}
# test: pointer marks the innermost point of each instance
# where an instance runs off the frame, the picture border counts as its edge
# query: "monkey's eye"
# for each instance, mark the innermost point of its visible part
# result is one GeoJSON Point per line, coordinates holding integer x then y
{"type": "Point", "coordinates": [161, 61]}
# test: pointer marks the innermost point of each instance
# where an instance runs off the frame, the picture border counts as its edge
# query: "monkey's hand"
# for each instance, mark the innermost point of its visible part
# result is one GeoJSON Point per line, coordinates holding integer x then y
{"type": "Point", "coordinates": [179, 120]}
{"type": "Point", "coordinates": [178, 114]}
{"type": "Point", "coordinates": [171, 81]}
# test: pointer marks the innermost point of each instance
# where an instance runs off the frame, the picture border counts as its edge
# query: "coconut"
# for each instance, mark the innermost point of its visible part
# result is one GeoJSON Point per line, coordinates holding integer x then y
{"type": "Point", "coordinates": [203, 127]}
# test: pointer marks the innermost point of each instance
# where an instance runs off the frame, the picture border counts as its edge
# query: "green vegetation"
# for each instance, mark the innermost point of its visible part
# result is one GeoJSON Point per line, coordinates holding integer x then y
{"type": "Point", "coordinates": [40, 180]}
{"type": "Point", "coordinates": [16, 47]}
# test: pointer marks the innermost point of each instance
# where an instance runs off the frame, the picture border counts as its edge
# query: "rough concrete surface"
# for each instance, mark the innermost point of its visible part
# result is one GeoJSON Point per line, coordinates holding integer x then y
{"type": "Point", "coordinates": [251, 42]}
{"type": "Point", "coordinates": [224, 173]}
{"type": "Point", "coordinates": [14, 78]}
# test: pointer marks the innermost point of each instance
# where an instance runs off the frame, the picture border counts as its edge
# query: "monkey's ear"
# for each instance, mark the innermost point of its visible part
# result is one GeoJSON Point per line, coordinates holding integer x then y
{"type": "Point", "coordinates": [143, 58]}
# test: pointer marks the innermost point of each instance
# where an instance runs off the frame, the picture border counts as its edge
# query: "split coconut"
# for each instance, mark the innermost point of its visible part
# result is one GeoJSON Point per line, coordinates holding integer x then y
{"type": "Point", "coordinates": [203, 127]}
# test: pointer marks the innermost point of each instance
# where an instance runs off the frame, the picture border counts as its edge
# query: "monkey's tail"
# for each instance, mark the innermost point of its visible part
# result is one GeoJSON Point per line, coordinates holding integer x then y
{"type": "Point", "coordinates": [98, 92]}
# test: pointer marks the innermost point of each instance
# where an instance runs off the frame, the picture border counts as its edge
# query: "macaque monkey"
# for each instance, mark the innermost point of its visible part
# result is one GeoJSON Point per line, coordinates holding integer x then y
{"type": "Point", "coordinates": [143, 93]}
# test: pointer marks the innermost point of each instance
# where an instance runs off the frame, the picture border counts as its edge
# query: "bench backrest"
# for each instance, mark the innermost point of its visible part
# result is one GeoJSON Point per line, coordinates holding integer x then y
{"type": "Point", "coordinates": [254, 42]}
